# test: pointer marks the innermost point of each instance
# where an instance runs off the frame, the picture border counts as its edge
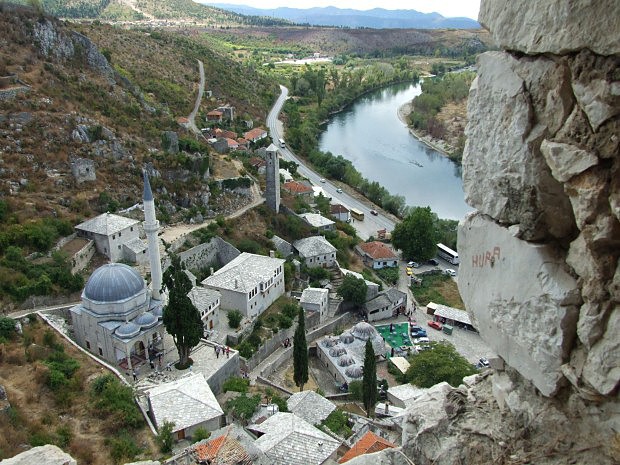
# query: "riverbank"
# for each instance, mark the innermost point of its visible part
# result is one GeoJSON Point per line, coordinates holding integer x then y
{"type": "Point", "coordinates": [436, 144]}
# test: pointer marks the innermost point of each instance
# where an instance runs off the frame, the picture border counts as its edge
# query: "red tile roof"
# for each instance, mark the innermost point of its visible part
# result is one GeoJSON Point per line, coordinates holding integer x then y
{"type": "Point", "coordinates": [223, 450]}
{"type": "Point", "coordinates": [368, 444]}
{"type": "Point", "coordinates": [378, 250]}
{"type": "Point", "coordinates": [295, 187]}
{"type": "Point", "coordinates": [337, 208]}
{"type": "Point", "coordinates": [256, 133]}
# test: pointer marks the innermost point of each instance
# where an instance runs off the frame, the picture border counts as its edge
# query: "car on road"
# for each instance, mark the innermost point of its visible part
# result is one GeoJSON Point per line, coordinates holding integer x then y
{"type": "Point", "coordinates": [449, 272]}
{"type": "Point", "coordinates": [322, 179]}
{"type": "Point", "coordinates": [339, 190]}
{"type": "Point", "coordinates": [413, 265]}
{"type": "Point", "coordinates": [436, 325]}
{"type": "Point", "coordinates": [483, 363]}
{"type": "Point", "coordinates": [433, 261]}
{"type": "Point", "coordinates": [374, 212]}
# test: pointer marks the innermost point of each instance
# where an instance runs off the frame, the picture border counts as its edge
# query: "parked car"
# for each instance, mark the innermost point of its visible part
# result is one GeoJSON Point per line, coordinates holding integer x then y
{"type": "Point", "coordinates": [482, 363]}
{"type": "Point", "coordinates": [433, 262]}
{"type": "Point", "coordinates": [413, 265]}
{"type": "Point", "coordinates": [421, 347]}
{"type": "Point", "coordinates": [436, 325]}
{"type": "Point", "coordinates": [374, 212]}
{"type": "Point", "coordinates": [419, 333]}
{"type": "Point", "coordinates": [421, 340]}
{"type": "Point", "coordinates": [449, 272]}
{"type": "Point", "coordinates": [409, 271]}
{"type": "Point", "coordinates": [339, 190]}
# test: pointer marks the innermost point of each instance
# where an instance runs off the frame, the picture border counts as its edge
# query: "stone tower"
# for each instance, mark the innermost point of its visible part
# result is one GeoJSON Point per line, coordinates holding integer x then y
{"type": "Point", "coordinates": [272, 189]}
{"type": "Point", "coordinates": [151, 228]}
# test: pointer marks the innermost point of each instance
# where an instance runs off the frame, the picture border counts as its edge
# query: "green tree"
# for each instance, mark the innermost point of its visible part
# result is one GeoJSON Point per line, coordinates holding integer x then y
{"type": "Point", "coordinates": [165, 439]}
{"type": "Point", "coordinates": [234, 319]}
{"type": "Point", "coordinates": [181, 317]}
{"type": "Point", "coordinates": [353, 290]}
{"type": "Point", "coordinates": [300, 352]}
{"type": "Point", "coordinates": [369, 381]}
{"type": "Point", "coordinates": [416, 235]}
{"type": "Point", "coordinates": [441, 363]}
{"type": "Point", "coordinates": [7, 327]}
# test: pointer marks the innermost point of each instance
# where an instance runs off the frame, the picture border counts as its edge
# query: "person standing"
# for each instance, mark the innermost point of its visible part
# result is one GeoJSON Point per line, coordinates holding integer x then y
{"type": "Point", "coordinates": [217, 351]}
{"type": "Point", "coordinates": [135, 376]}
{"type": "Point", "coordinates": [227, 352]}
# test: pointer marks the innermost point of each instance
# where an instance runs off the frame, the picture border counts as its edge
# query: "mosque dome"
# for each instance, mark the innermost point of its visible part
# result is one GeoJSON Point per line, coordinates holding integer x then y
{"type": "Point", "coordinates": [337, 351]}
{"type": "Point", "coordinates": [146, 320]}
{"type": "Point", "coordinates": [329, 341]}
{"type": "Point", "coordinates": [127, 330]}
{"type": "Point", "coordinates": [364, 330]}
{"type": "Point", "coordinates": [114, 282]}
{"type": "Point", "coordinates": [346, 360]}
{"type": "Point", "coordinates": [354, 371]}
{"type": "Point", "coordinates": [347, 337]}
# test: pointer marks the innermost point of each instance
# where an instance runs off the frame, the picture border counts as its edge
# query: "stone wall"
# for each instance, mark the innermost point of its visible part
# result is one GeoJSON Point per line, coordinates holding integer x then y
{"type": "Point", "coordinates": [217, 250]}
{"type": "Point", "coordinates": [539, 259]}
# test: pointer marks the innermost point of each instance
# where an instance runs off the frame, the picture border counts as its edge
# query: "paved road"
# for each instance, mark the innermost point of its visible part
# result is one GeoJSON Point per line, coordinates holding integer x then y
{"type": "Point", "coordinates": [371, 223]}
{"type": "Point", "coordinates": [201, 89]}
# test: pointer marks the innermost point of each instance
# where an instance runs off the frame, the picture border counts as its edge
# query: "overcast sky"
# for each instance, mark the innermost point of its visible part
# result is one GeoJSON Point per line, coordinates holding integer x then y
{"type": "Point", "coordinates": [447, 8]}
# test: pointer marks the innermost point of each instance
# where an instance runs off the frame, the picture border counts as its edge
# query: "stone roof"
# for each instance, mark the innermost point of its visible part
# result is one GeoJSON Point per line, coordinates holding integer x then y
{"type": "Point", "coordinates": [282, 246]}
{"type": "Point", "coordinates": [313, 295]}
{"type": "Point", "coordinates": [203, 297]}
{"type": "Point", "coordinates": [136, 245]}
{"type": "Point", "coordinates": [289, 440]}
{"type": "Point", "coordinates": [312, 407]}
{"type": "Point", "coordinates": [244, 273]}
{"type": "Point", "coordinates": [380, 301]}
{"type": "Point", "coordinates": [316, 220]}
{"type": "Point", "coordinates": [106, 224]}
{"type": "Point", "coordinates": [378, 251]}
{"type": "Point", "coordinates": [406, 393]}
{"type": "Point", "coordinates": [452, 314]}
{"type": "Point", "coordinates": [368, 444]}
{"type": "Point", "coordinates": [313, 246]}
{"type": "Point", "coordinates": [186, 402]}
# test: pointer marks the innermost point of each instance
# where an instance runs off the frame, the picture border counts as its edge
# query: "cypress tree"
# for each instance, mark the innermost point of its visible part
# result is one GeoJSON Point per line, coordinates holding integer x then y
{"type": "Point", "coordinates": [181, 317]}
{"type": "Point", "coordinates": [300, 353]}
{"type": "Point", "coordinates": [369, 382]}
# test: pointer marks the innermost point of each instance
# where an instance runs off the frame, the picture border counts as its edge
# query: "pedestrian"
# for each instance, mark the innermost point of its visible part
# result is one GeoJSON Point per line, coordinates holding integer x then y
{"type": "Point", "coordinates": [227, 352]}
{"type": "Point", "coordinates": [159, 358]}
{"type": "Point", "coordinates": [169, 366]}
{"type": "Point", "coordinates": [217, 351]}
{"type": "Point", "coordinates": [391, 327]}
{"type": "Point", "coordinates": [135, 376]}
{"type": "Point", "coordinates": [152, 364]}
{"type": "Point", "coordinates": [392, 352]}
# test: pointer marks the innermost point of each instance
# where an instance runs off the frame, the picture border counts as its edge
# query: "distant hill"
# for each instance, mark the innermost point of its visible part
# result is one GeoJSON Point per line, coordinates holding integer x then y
{"type": "Point", "coordinates": [377, 18]}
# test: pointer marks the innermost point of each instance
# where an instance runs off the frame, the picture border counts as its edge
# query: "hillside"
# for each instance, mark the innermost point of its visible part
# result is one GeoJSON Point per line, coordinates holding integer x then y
{"type": "Point", "coordinates": [160, 12]}
{"type": "Point", "coordinates": [377, 18]}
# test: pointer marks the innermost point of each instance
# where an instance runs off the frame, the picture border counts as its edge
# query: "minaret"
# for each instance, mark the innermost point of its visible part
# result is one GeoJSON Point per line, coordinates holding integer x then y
{"type": "Point", "coordinates": [151, 228]}
{"type": "Point", "coordinates": [272, 175]}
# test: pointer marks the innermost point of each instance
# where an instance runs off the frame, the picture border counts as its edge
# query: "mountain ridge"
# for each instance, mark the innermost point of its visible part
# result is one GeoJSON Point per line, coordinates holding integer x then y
{"type": "Point", "coordinates": [376, 18]}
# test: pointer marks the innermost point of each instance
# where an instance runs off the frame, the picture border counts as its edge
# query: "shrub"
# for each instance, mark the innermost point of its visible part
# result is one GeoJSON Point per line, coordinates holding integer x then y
{"type": "Point", "coordinates": [236, 384]}
{"type": "Point", "coordinates": [165, 439]}
{"type": "Point", "coordinates": [199, 434]}
{"type": "Point", "coordinates": [355, 390]}
{"type": "Point", "coordinates": [234, 319]}
{"type": "Point", "coordinates": [338, 422]}
{"type": "Point", "coordinates": [284, 322]}
{"type": "Point", "coordinates": [243, 407]}
{"type": "Point", "coordinates": [115, 400]}
{"type": "Point", "coordinates": [280, 402]}
{"type": "Point", "coordinates": [122, 447]}
{"type": "Point", "coordinates": [245, 349]}
{"type": "Point", "coordinates": [7, 327]}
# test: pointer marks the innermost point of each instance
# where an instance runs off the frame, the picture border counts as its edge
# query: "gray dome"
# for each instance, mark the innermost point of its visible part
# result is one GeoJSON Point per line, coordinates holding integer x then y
{"type": "Point", "coordinates": [347, 337]}
{"type": "Point", "coordinates": [346, 360]}
{"type": "Point", "coordinates": [364, 330]}
{"type": "Point", "coordinates": [127, 330]}
{"type": "Point", "coordinates": [354, 371]}
{"type": "Point", "coordinates": [146, 320]}
{"type": "Point", "coordinates": [329, 341]}
{"type": "Point", "coordinates": [337, 351]}
{"type": "Point", "coordinates": [113, 282]}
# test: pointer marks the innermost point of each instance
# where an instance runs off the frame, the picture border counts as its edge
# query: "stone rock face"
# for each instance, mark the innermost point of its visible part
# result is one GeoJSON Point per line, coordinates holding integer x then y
{"type": "Point", "coordinates": [502, 153]}
{"type": "Point", "coordinates": [521, 297]}
{"type": "Point", "coordinates": [48, 455]}
{"type": "Point", "coordinates": [553, 26]}
{"type": "Point", "coordinates": [170, 142]}
{"type": "Point", "coordinates": [83, 169]}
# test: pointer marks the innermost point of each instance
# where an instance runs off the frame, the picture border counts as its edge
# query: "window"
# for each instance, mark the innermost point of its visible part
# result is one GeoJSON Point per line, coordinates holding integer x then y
{"type": "Point", "coordinates": [113, 236]}
{"type": "Point", "coordinates": [131, 229]}
{"type": "Point", "coordinates": [88, 345]}
{"type": "Point", "coordinates": [119, 234]}
{"type": "Point", "coordinates": [100, 351]}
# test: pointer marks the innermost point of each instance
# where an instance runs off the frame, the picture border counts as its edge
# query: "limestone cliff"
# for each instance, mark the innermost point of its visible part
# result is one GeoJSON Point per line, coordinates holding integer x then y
{"type": "Point", "coordinates": [539, 269]}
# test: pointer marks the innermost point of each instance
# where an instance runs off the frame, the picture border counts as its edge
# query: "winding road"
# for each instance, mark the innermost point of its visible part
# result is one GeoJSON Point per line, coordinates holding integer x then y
{"type": "Point", "coordinates": [366, 228]}
{"type": "Point", "coordinates": [201, 89]}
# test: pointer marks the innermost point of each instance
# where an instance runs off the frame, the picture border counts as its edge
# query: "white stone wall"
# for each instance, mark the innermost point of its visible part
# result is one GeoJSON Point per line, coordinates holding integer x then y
{"type": "Point", "coordinates": [539, 269]}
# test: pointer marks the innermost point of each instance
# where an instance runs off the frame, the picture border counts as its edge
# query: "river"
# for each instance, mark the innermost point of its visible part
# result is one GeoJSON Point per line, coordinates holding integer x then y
{"type": "Point", "coordinates": [370, 134]}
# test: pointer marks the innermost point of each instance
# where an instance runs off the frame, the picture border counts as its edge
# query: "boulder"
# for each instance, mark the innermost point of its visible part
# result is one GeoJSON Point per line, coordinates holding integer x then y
{"type": "Point", "coordinates": [504, 173]}
{"type": "Point", "coordinates": [520, 297]}
{"type": "Point", "coordinates": [170, 142]}
{"type": "Point", "coordinates": [553, 26]}
{"type": "Point", "coordinates": [48, 455]}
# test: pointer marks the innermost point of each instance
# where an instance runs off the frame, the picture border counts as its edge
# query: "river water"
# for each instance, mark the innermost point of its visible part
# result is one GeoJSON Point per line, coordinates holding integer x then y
{"type": "Point", "coordinates": [370, 134]}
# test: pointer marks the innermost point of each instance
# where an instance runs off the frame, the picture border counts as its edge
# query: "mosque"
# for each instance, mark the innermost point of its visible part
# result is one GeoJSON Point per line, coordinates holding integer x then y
{"type": "Point", "coordinates": [120, 318]}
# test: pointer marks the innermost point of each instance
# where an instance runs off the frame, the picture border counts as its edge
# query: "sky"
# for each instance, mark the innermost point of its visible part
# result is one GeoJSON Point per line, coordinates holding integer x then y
{"type": "Point", "coordinates": [447, 8]}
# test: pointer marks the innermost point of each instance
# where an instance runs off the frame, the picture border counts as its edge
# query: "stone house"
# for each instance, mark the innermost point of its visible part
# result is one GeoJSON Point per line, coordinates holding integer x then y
{"type": "Point", "coordinates": [318, 221]}
{"type": "Point", "coordinates": [315, 301]}
{"type": "Point", "coordinates": [340, 212]}
{"type": "Point", "coordinates": [385, 304]}
{"type": "Point", "coordinates": [110, 232]}
{"type": "Point", "coordinates": [250, 283]}
{"type": "Point", "coordinates": [316, 251]}
{"type": "Point", "coordinates": [299, 189]}
{"type": "Point", "coordinates": [207, 301]}
{"type": "Point", "coordinates": [254, 135]}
